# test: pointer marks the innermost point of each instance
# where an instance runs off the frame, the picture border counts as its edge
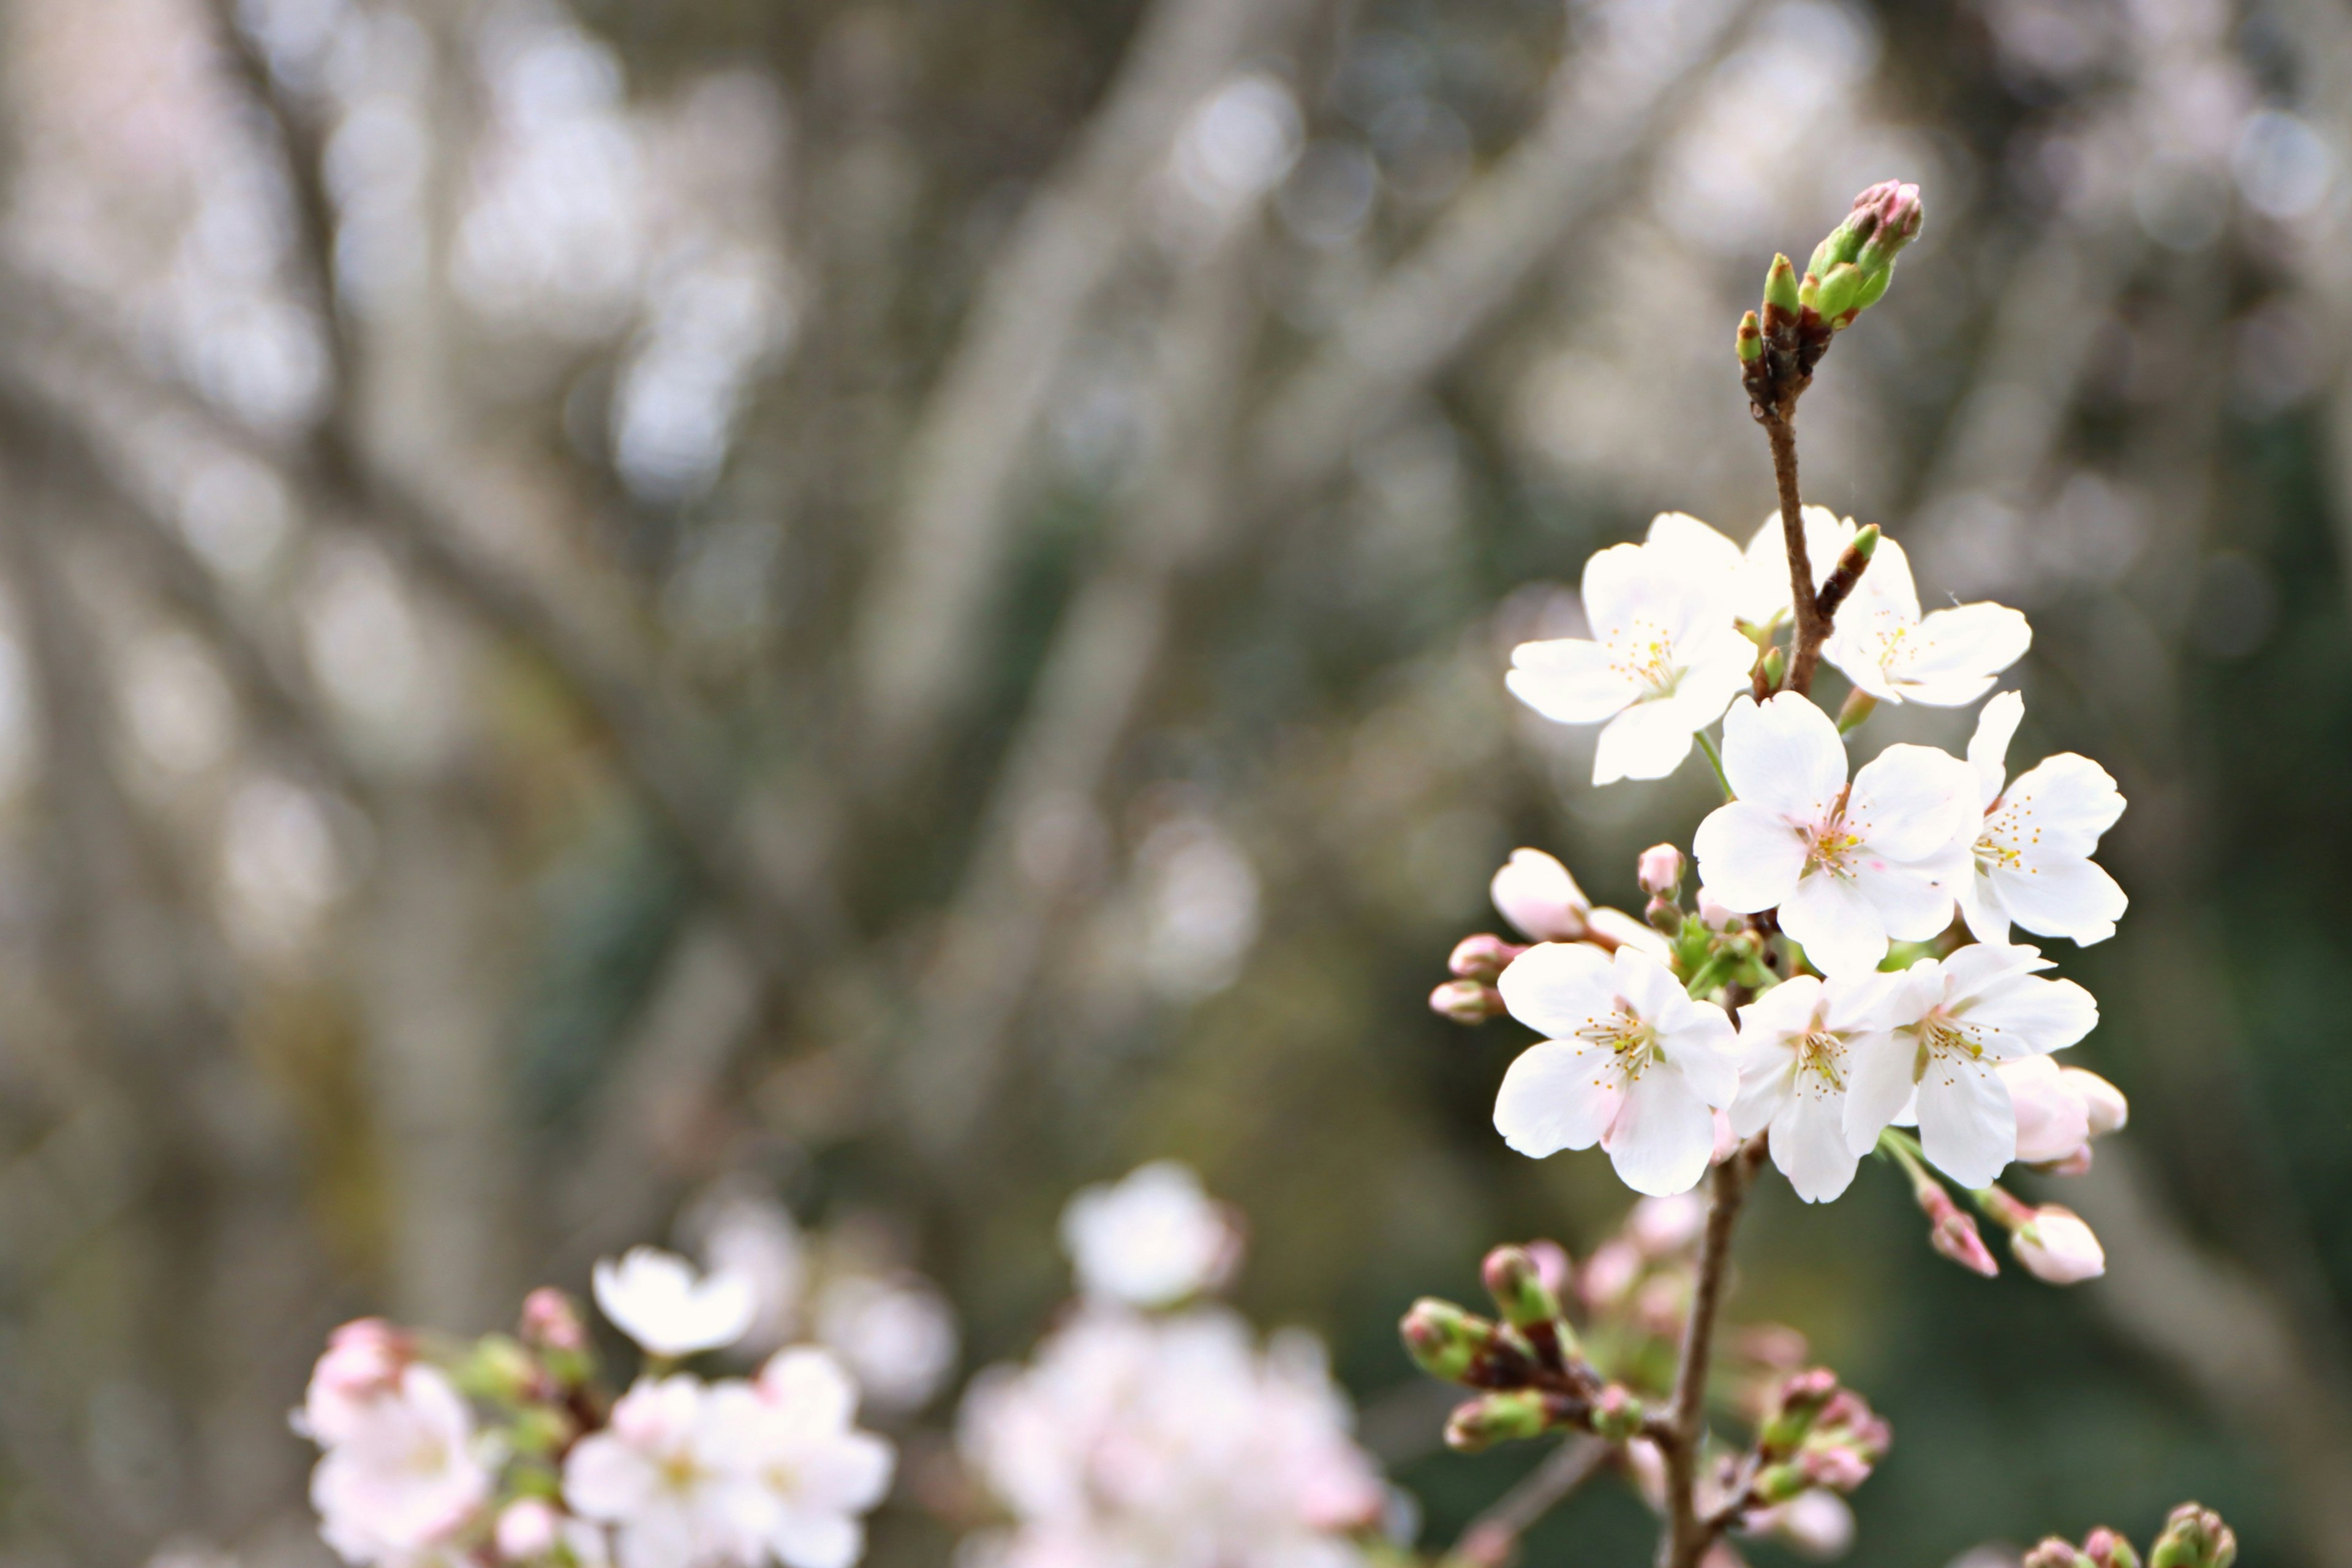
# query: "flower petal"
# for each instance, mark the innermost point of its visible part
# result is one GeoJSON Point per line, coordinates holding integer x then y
{"type": "Point", "coordinates": [1878, 1085]}
{"type": "Point", "coordinates": [1997, 723]}
{"type": "Point", "coordinates": [1647, 741]}
{"type": "Point", "coordinates": [2063, 804]}
{"type": "Point", "coordinates": [1910, 803]}
{"type": "Point", "coordinates": [1558, 987]}
{"type": "Point", "coordinates": [1954, 654]}
{"type": "Point", "coordinates": [1784, 756]}
{"type": "Point", "coordinates": [1569, 680]}
{"type": "Point", "coordinates": [1664, 1135]}
{"type": "Point", "coordinates": [1808, 1143]}
{"type": "Point", "coordinates": [1911, 905]}
{"type": "Point", "coordinates": [2040, 1015]}
{"type": "Point", "coordinates": [2074, 899]}
{"type": "Point", "coordinates": [1748, 856]}
{"type": "Point", "coordinates": [1966, 1122]}
{"type": "Point", "coordinates": [1841, 929]}
{"type": "Point", "coordinates": [1557, 1096]}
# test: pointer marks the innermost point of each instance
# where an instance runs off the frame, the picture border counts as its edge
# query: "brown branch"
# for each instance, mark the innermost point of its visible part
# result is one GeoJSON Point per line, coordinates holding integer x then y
{"type": "Point", "coordinates": [1812, 627]}
{"type": "Point", "coordinates": [1492, 1538]}
{"type": "Point", "coordinates": [1688, 1535]}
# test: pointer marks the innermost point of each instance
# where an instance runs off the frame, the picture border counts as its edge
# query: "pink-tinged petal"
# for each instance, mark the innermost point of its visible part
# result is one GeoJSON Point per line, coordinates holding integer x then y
{"type": "Point", "coordinates": [2040, 1015]}
{"type": "Point", "coordinates": [1997, 723]}
{"type": "Point", "coordinates": [1966, 1123]}
{"type": "Point", "coordinates": [1910, 803]}
{"type": "Point", "coordinates": [1569, 680]}
{"type": "Point", "coordinates": [1808, 1143]}
{"type": "Point", "coordinates": [1535, 893]}
{"type": "Point", "coordinates": [2063, 806]}
{"type": "Point", "coordinates": [1560, 988]}
{"type": "Point", "coordinates": [604, 1477]}
{"type": "Point", "coordinates": [2051, 1119]}
{"type": "Point", "coordinates": [1878, 1086]}
{"type": "Point", "coordinates": [1663, 1137]}
{"type": "Point", "coordinates": [1980, 907]}
{"type": "Point", "coordinates": [2074, 899]}
{"type": "Point", "coordinates": [1748, 856]}
{"type": "Point", "coordinates": [847, 1474]}
{"type": "Point", "coordinates": [1647, 741]}
{"type": "Point", "coordinates": [1954, 654]}
{"type": "Point", "coordinates": [1979, 964]}
{"type": "Point", "coordinates": [1785, 756]}
{"type": "Point", "coordinates": [1840, 929]}
{"type": "Point", "coordinates": [1558, 1096]}
{"type": "Point", "coordinates": [1627, 932]}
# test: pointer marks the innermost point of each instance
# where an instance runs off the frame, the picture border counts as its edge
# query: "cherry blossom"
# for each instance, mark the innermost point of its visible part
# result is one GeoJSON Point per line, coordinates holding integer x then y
{"type": "Point", "coordinates": [1535, 892]}
{"type": "Point", "coordinates": [672, 1474]}
{"type": "Point", "coordinates": [2057, 1247]}
{"type": "Point", "coordinates": [400, 1474]}
{"type": "Point", "coordinates": [819, 1473]}
{"type": "Point", "coordinates": [1151, 1239]}
{"type": "Point", "coordinates": [1756, 578]}
{"type": "Point", "coordinates": [1951, 1023]}
{"type": "Point", "coordinates": [2060, 1110]}
{"type": "Point", "coordinates": [1630, 1063]}
{"type": "Point", "coordinates": [897, 1334]}
{"type": "Point", "coordinates": [657, 1299]}
{"type": "Point", "coordinates": [1848, 866]}
{"type": "Point", "coordinates": [2032, 852]}
{"type": "Point", "coordinates": [1797, 1048]}
{"type": "Point", "coordinates": [1663, 658]}
{"type": "Point", "coordinates": [364, 1363]}
{"type": "Point", "coordinates": [1945, 660]}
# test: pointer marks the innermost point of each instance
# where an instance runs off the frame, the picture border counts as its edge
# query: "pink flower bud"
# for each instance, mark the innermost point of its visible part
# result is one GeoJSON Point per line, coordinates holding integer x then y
{"type": "Point", "coordinates": [2103, 1103]}
{"type": "Point", "coordinates": [1663, 1225]}
{"type": "Point", "coordinates": [2051, 1119]}
{"type": "Point", "coordinates": [363, 1362]}
{"type": "Point", "coordinates": [551, 1321]}
{"type": "Point", "coordinates": [1715, 917]}
{"type": "Point", "coordinates": [2056, 1247]}
{"type": "Point", "coordinates": [1660, 871]}
{"type": "Point", "coordinates": [1815, 1524]}
{"type": "Point", "coordinates": [1536, 894]}
{"type": "Point", "coordinates": [1466, 1002]}
{"type": "Point", "coordinates": [527, 1530]}
{"type": "Point", "coordinates": [1609, 1273]}
{"type": "Point", "coordinates": [1482, 957]}
{"type": "Point", "coordinates": [1553, 1267]}
{"type": "Point", "coordinates": [1836, 1466]}
{"type": "Point", "coordinates": [1957, 1237]}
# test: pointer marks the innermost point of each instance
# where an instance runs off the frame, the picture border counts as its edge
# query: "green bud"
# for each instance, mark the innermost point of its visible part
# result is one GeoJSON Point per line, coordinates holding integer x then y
{"type": "Point", "coordinates": [1776, 665]}
{"type": "Point", "coordinates": [1443, 1340]}
{"type": "Point", "coordinates": [1781, 286]}
{"type": "Point", "coordinates": [1865, 542]}
{"type": "Point", "coordinates": [2105, 1548]}
{"type": "Point", "coordinates": [1838, 291]}
{"type": "Point", "coordinates": [1779, 1483]}
{"type": "Point", "coordinates": [497, 1368]}
{"type": "Point", "coordinates": [2055, 1553]}
{"type": "Point", "coordinates": [2194, 1537]}
{"type": "Point", "coordinates": [1616, 1415]}
{"type": "Point", "coordinates": [1519, 1292]}
{"type": "Point", "coordinates": [1892, 211]}
{"type": "Point", "coordinates": [1801, 1400]}
{"type": "Point", "coordinates": [540, 1429]}
{"type": "Point", "coordinates": [1497, 1418]}
{"type": "Point", "coordinates": [1750, 343]}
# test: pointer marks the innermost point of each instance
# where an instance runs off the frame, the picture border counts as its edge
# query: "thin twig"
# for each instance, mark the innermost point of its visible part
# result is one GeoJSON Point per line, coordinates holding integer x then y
{"type": "Point", "coordinates": [1687, 1534]}
{"type": "Point", "coordinates": [1813, 628]}
{"type": "Point", "coordinates": [1493, 1537]}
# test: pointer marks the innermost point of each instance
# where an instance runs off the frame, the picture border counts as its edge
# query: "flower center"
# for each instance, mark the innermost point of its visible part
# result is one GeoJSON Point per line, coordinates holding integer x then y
{"type": "Point", "coordinates": [1644, 653]}
{"type": "Point", "coordinates": [2002, 845]}
{"type": "Point", "coordinates": [1623, 1034]}
{"type": "Point", "coordinates": [1821, 1061]}
{"type": "Point", "coordinates": [1942, 1034]}
{"type": "Point", "coordinates": [679, 1471]}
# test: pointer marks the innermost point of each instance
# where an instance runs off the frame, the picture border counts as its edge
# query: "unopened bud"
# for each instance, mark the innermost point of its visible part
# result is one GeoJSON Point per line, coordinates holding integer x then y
{"type": "Point", "coordinates": [2054, 1554]}
{"type": "Point", "coordinates": [527, 1530]}
{"type": "Point", "coordinates": [1466, 1002]}
{"type": "Point", "coordinates": [1779, 1483]}
{"type": "Point", "coordinates": [1951, 1232]}
{"type": "Point", "coordinates": [1818, 1524]}
{"type": "Point", "coordinates": [497, 1368]}
{"type": "Point", "coordinates": [1835, 293]}
{"type": "Point", "coordinates": [2057, 1247]}
{"type": "Point", "coordinates": [2105, 1548]}
{"type": "Point", "coordinates": [1893, 214]}
{"type": "Point", "coordinates": [2104, 1105]}
{"type": "Point", "coordinates": [1801, 1400]}
{"type": "Point", "coordinates": [1519, 1289]}
{"type": "Point", "coordinates": [1535, 893]}
{"type": "Point", "coordinates": [2194, 1537]}
{"type": "Point", "coordinates": [1445, 1341]}
{"type": "Point", "coordinates": [1776, 665]}
{"type": "Point", "coordinates": [1616, 1413]}
{"type": "Point", "coordinates": [1665, 916]}
{"type": "Point", "coordinates": [1662, 1226]}
{"type": "Point", "coordinates": [551, 1321]}
{"type": "Point", "coordinates": [1781, 287]}
{"type": "Point", "coordinates": [1712, 913]}
{"type": "Point", "coordinates": [1496, 1418]}
{"type": "Point", "coordinates": [1483, 957]}
{"type": "Point", "coordinates": [1553, 1266]}
{"type": "Point", "coordinates": [1660, 870]}
{"type": "Point", "coordinates": [1749, 344]}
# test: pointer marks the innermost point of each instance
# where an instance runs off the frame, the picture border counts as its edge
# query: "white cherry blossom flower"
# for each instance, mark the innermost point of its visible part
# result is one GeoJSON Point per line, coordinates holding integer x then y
{"type": "Point", "coordinates": [897, 1333]}
{"type": "Point", "coordinates": [2031, 854]}
{"type": "Point", "coordinates": [1798, 1044]}
{"type": "Point", "coordinates": [1946, 660]}
{"type": "Point", "coordinates": [1952, 1021]}
{"type": "Point", "coordinates": [819, 1473]}
{"type": "Point", "coordinates": [2060, 1110]}
{"type": "Point", "coordinates": [657, 1299]}
{"type": "Point", "coordinates": [1632, 1063]}
{"type": "Point", "coordinates": [1151, 1239]}
{"type": "Point", "coordinates": [672, 1473]}
{"type": "Point", "coordinates": [1848, 866]}
{"type": "Point", "coordinates": [401, 1474]}
{"type": "Point", "coordinates": [1662, 660]}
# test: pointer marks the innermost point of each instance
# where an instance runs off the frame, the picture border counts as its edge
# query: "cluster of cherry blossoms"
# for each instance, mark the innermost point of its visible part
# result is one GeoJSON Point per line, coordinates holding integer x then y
{"type": "Point", "coordinates": [1150, 1429]}
{"type": "Point", "coordinates": [509, 1450]}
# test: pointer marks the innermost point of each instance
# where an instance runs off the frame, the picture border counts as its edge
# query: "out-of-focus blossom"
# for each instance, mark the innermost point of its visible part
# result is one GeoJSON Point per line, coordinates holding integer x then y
{"type": "Point", "coordinates": [1630, 1062]}
{"type": "Point", "coordinates": [1849, 867]}
{"type": "Point", "coordinates": [400, 1475]}
{"type": "Point", "coordinates": [897, 1335]}
{"type": "Point", "coordinates": [1151, 1239]}
{"type": "Point", "coordinates": [2031, 855]}
{"type": "Point", "coordinates": [363, 1364]}
{"type": "Point", "coordinates": [753, 1239]}
{"type": "Point", "coordinates": [672, 1473]}
{"type": "Point", "coordinates": [1664, 659]}
{"type": "Point", "coordinates": [1945, 660]}
{"type": "Point", "coordinates": [1138, 1442]}
{"type": "Point", "coordinates": [819, 1473]}
{"type": "Point", "coordinates": [1952, 1022]}
{"type": "Point", "coordinates": [657, 1299]}
{"type": "Point", "coordinates": [1815, 1524]}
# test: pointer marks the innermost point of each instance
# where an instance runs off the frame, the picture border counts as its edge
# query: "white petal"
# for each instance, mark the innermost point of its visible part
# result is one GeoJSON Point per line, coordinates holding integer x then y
{"type": "Point", "coordinates": [1786, 1009]}
{"type": "Point", "coordinates": [1809, 1144]}
{"type": "Point", "coordinates": [1557, 1096]}
{"type": "Point", "coordinates": [1765, 1085]}
{"type": "Point", "coordinates": [1955, 653]}
{"type": "Point", "coordinates": [1558, 987]}
{"type": "Point", "coordinates": [1878, 1086]}
{"type": "Point", "coordinates": [2073, 898]}
{"type": "Point", "coordinates": [1997, 723]}
{"type": "Point", "coordinates": [1748, 856]}
{"type": "Point", "coordinates": [1627, 932]}
{"type": "Point", "coordinates": [1569, 680]}
{"type": "Point", "coordinates": [1784, 755]}
{"type": "Point", "coordinates": [1620, 584]}
{"type": "Point", "coordinates": [810, 1539]}
{"type": "Point", "coordinates": [1887, 583]}
{"type": "Point", "coordinates": [2043, 1015]}
{"type": "Point", "coordinates": [1980, 965]}
{"type": "Point", "coordinates": [1910, 801]}
{"type": "Point", "coordinates": [1841, 930]}
{"type": "Point", "coordinates": [1966, 1123]}
{"type": "Point", "coordinates": [1695, 549]}
{"type": "Point", "coordinates": [604, 1477]}
{"type": "Point", "coordinates": [1647, 741]}
{"type": "Point", "coordinates": [2052, 1120]}
{"type": "Point", "coordinates": [2064, 803]}
{"type": "Point", "coordinates": [1663, 1137]}
{"type": "Point", "coordinates": [1535, 893]}
{"type": "Point", "coordinates": [1982, 907]}
{"type": "Point", "coordinates": [1910, 905]}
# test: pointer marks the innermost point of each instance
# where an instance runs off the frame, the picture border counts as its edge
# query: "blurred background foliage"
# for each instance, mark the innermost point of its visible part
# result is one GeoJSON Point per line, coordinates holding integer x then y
{"type": "Point", "coordinates": [903, 601]}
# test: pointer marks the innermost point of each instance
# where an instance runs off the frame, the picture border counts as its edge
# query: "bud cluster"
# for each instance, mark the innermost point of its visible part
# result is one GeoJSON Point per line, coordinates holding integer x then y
{"type": "Point", "coordinates": [1848, 273]}
{"type": "Point", "coordinates": [1821, 1437]}
{"type": "Point", "coordinates": [2193, 1537]}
